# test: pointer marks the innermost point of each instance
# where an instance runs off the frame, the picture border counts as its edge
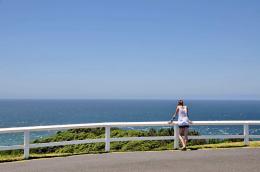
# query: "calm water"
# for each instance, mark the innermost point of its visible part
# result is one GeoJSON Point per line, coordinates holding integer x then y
{"type": "Point", "coordinates": [16, 113]}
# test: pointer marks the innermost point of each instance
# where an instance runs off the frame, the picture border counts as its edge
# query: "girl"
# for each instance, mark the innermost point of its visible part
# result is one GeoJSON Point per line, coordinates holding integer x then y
{"type": "Point", "coordinates": [183, 122]}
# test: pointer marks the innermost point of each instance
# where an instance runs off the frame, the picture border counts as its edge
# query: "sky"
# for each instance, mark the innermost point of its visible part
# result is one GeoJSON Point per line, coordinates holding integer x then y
{"type": "Point", "coordinates": [129, 49]}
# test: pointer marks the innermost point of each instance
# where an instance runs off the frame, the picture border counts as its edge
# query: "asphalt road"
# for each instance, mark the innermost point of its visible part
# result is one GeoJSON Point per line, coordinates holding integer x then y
{"type": "Point", "coordinates": [221, 160]}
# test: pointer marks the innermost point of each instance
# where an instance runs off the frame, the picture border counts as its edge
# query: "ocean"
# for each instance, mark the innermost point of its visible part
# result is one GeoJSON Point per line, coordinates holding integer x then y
{"type": "Point", "coordinates": [18, 113]}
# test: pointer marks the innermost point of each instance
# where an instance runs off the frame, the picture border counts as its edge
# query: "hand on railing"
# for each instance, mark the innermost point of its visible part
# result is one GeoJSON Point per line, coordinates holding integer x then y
{"type": "Point", "coordinates": [173, 117]}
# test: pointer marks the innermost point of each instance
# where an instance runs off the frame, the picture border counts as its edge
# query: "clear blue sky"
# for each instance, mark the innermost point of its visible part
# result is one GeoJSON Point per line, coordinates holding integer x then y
{"type": "Point", "coordinates": [130, 49]}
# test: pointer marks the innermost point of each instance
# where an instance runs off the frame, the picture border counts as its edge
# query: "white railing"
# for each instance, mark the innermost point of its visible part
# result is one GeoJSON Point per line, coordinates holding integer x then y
{"type": "Point", "coordinates": [26, 130]}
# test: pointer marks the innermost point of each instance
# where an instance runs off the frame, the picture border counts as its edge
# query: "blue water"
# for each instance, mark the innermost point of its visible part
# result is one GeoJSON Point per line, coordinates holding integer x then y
{"type": "Point", "coordinates": [16, 113]}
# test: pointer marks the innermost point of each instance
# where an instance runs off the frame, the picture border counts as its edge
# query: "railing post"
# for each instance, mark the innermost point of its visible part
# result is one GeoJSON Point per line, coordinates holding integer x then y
{"type": "Point", "coordinates": [176, 136]}
{"type": "Point", "coordinates": [246, 134]}
{"type": "Point", "coordinates": [26, 152]}
{"type": "Point", "coordinates": [107, 139]}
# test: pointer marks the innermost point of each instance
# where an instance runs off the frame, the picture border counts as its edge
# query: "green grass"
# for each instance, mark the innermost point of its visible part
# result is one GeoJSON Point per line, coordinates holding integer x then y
{"type": "Point", "coordinates": [128, 146]}
{"type": "Point", "coordinates": [252, 144]}
{"type": "Point", "coordinates": [19, 157]}
{"type": "Point", "coordinates": [9, 158]}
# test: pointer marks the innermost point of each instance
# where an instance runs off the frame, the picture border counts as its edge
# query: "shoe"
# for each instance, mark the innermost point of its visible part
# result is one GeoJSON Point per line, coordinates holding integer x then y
{"type": "Point", "coordinates": [184, 148]}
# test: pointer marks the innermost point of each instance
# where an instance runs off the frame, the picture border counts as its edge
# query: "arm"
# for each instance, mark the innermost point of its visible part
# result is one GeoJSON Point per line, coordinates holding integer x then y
{"type": "Point", "coordinates": [174, 115]}
{"type": "Point", "coordinates": [188, 116]}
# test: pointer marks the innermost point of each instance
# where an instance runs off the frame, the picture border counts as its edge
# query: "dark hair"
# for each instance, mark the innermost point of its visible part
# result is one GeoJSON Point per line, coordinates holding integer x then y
{"type": "Point", "coordinates": [180, 103]}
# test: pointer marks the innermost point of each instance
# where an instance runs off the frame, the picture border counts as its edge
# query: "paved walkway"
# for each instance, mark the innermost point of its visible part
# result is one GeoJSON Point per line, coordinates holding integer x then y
{"type": "Point", "coordinates": [221, 160]}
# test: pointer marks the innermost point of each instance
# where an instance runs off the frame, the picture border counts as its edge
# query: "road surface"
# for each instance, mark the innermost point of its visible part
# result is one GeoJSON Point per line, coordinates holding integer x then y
{"type": "Point", "coordinates": [220, 160]}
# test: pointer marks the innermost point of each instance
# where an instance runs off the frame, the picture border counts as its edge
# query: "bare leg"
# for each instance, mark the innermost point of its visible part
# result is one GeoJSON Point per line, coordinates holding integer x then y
{"type": "Point", "coordinates": [182, 141]}
{"type": "Point", "coordinates": [186, 131]}
{"type": "Point", "coordinates": [181, 138]}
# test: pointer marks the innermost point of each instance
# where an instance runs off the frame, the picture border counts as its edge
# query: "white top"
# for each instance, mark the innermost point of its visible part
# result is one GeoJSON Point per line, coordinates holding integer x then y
{"type": "Point", "coordinates": [183, 115]}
